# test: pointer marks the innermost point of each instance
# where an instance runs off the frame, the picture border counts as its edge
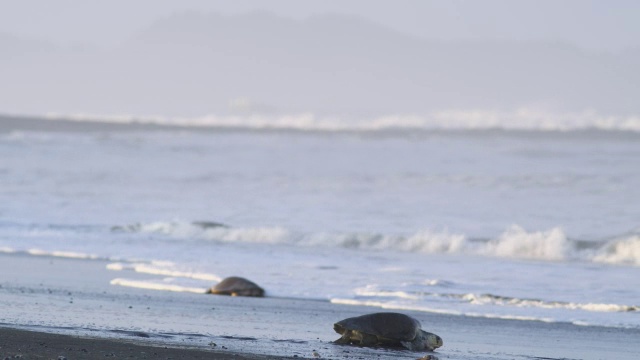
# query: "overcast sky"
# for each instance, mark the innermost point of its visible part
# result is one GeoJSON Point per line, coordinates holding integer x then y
{"type": "Point", "coordinates": [610, 25]}
{"type": "Point", "coordinates": [356, 57]}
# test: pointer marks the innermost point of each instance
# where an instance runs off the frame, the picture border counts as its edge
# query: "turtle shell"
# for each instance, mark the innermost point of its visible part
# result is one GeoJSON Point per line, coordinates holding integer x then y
{"type": "Point", "coordinates": [237, 286]}
{"type": "Point", "coordinates": [394, 326]}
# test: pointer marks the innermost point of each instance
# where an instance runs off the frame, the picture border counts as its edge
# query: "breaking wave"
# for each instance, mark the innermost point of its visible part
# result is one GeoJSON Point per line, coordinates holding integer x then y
{"type": "Point", "coordinates": [520, 120]}
{"type": "Point", "coordinates": [514, 242]}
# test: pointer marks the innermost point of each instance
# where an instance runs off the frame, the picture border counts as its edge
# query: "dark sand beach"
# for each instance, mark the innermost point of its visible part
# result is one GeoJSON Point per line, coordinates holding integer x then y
{"type": "Point", "coordinates": [69, 305]}
{"type": "Point", "coordinates": [23, 344]}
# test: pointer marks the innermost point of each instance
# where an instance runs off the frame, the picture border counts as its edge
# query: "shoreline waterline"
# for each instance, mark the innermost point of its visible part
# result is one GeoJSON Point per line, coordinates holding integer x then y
{"type": "Point", "coordinates": [73, 297]}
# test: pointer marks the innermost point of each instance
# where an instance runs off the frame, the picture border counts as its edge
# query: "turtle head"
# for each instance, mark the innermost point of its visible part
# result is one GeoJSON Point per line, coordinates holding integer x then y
{"type": "Point", "coordinates": [430, 341]}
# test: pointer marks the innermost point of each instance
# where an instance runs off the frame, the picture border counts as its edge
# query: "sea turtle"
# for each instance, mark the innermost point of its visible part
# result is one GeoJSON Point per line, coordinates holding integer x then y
{"type": "Point", "coordinates": [386, 329]}
{"type": "Point", "coordinates": [237, 286]}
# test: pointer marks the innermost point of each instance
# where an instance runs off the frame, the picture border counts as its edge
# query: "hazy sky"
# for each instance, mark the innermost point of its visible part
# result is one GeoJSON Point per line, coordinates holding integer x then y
{"type": "Point", "coordinates": [610, 25]}
{"type": "Point", "coordinates": [194, 57]}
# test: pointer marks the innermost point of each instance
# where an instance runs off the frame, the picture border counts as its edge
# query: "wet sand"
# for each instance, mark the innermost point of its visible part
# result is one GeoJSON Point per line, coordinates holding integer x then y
{"type": "Point", "coordinates": [22, 344]}
{"type": "Point", "coordinates": [70, 304]}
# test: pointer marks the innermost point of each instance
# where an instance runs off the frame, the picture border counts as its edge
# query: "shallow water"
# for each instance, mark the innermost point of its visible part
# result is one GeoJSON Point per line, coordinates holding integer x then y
{"type": "Point", "coordinates": [510, 224]}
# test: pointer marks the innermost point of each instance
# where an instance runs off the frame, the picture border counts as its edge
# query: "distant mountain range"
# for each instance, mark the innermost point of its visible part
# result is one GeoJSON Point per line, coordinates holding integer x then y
{"type": "Point", "coordinates": [193, 64]}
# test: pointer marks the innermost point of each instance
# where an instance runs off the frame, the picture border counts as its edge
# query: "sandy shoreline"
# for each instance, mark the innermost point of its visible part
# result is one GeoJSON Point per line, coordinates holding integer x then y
{"type": "Point", "coordinates": [15, 343]}
{"type": "Point", "coordinates": [73, 298]}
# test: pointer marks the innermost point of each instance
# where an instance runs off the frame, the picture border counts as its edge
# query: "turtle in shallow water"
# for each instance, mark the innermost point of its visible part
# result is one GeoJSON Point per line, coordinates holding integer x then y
{"type": "Point", "coordinates": [386, 329]}
{"type": "Point", "coordinates": [237, 286]}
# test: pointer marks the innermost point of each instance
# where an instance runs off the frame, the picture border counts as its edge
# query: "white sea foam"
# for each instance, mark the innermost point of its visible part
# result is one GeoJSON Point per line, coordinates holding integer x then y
{"type": "Point", "coordinates": [190, 230]}
{"type": "Point", "coordinates": [64, 254]}
{"type": "Point", "coordinates": [55, 253]}
{"type": "Point", "coordinates": [483, 299]}
{"type": "Point", "coordinates": [156, 285]}
{"type": "Point", "coordinates": [383, 294]}
{"type": "Point", "coordinates": [391, 306]}
{"type": "Point", "coordinates": [7, 250]}
{"type": "Point", "coordinates": [521, 119]}
{"type": "Point", "coordinates": [518, 243]}
{"type": "Point", "coordinates": [514, 242]}
{"type": "Point", "coordinates": [620, 251]}
{"type": "Point", "coordinates": [164, 269]}
{"type": "Point", "coordinates": [396, 306]}
{"type": "Point", "coordinates": [373, 292]}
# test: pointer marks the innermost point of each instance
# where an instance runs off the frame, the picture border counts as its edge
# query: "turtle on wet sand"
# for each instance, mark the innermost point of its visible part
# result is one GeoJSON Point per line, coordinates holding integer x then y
{"type": "Point", "coordinates": [386, 329]}
{"type": "Point", "coordinates": [237, 286]}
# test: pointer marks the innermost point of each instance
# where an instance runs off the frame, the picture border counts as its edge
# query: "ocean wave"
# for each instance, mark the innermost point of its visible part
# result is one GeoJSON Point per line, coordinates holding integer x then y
{"type": "Point", "coordinates": [625, 250]}
{"type": "Point", "coordinates": [372, 293]}
{"type": "Point", "coordinates": [195, 230]}
{"type": "Point", "coordinates": [483, 299]}
{"type": "Point", "coordinates": [515, 242]}
{"type": "Point", "coordinates": [519, 120]}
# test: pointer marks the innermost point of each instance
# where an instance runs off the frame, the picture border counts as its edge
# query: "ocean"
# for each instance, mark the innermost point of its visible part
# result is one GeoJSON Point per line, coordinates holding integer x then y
{"type": "Point", "coordinates": [513, 216]}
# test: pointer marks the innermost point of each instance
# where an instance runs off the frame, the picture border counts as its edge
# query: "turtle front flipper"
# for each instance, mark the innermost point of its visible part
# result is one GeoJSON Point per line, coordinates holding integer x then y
{"type": "Point", "coordinates": [345, 339]}
{"type": "Point", "coordinates": [346, 335]}
{"type": "Point", "coordinates": [356, 337]}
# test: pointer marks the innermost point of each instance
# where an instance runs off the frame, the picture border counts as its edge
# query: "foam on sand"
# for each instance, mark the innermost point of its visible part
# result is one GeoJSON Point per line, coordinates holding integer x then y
{"type": "Point", "coordinates": [162, 268]}
{"type": "Point", "coordinates": [156, 285]}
